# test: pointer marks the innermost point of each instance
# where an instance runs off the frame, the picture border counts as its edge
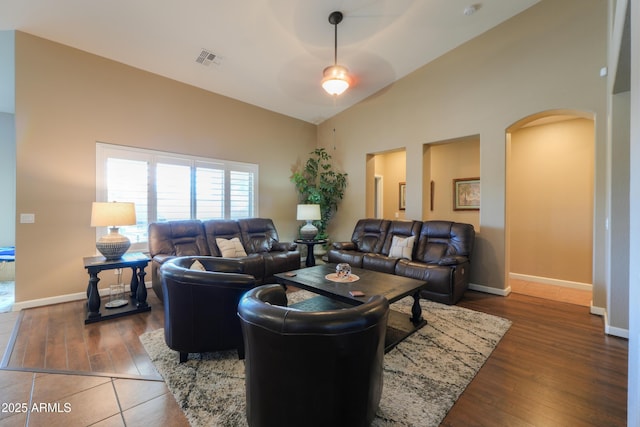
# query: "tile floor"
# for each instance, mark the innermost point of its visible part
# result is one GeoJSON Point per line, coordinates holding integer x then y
{"type": "Point", "coordinates": [78, 400]}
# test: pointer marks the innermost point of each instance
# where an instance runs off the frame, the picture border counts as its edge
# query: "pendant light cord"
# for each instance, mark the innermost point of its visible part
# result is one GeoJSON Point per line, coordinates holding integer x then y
{"type": "Point", "coordinates": [335, 45]}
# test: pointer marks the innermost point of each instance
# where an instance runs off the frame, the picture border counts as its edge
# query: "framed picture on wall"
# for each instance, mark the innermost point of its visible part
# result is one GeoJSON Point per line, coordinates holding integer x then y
{"type": "Point", "coordinates": [466, 194]}
{"type": "Point", "coordinates": [402, 196]}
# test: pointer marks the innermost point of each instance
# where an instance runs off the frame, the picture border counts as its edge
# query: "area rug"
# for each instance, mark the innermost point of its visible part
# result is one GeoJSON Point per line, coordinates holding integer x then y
{"type": "Point", "coordinates": [423, 375]}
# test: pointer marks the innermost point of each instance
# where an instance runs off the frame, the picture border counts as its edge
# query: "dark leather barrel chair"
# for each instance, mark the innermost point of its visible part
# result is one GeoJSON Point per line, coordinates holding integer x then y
{"type": "Point", "coordinates": [320, 368]}
{"type": "Point", "coordinates": [200, 307]}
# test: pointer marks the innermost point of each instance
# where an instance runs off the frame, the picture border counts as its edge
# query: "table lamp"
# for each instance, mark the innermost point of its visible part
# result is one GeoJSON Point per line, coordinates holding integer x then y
{"type": "Point", "coordinates": [308, 213]}
{"type": "Point", "coordinates": [113, 215]}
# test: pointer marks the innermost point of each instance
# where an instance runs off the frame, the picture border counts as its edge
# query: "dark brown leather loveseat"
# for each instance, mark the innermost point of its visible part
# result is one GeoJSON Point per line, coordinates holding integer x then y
{"type": "Point", "coordinates": [265, 254]}
{"type": "Point", "coordinates": [439, 253]}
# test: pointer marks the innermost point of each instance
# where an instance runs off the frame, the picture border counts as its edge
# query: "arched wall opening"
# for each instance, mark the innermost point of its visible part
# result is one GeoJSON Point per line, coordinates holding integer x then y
{"type": "Point", "coordinates": [444, 164]}
{"type": "Point", "coordinates": [550, 167]}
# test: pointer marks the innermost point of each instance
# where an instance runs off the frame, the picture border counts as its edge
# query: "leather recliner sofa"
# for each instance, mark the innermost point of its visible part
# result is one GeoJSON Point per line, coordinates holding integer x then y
{"type": "Point", "coordinates": [265, 254]}
{"type": "Point", "coordinates": [321, 368]}
{"type": "Point", "coordinates": [440, 253]}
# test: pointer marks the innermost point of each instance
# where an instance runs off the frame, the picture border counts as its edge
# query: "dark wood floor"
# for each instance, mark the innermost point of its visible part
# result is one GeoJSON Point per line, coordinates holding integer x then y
{"type": "Point", "coordinates": [55, 338]}
{"type": "Point", "coordinates": [554, 367]}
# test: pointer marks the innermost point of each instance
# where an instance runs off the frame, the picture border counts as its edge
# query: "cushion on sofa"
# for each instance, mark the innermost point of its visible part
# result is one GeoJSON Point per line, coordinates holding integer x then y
{"type": "Point", "coordinates": [402, 247]}
{"type": "Point", "coordinates": [432, 252]}
{"type": "Point", "coordinates": [178, 238]}
{"type": "Point", "coordinates": [352, 257]}
{"type": "Point", "coordinates": [231, 248]}
{"type": "Point", "coordinates": [401, 228]}
{"type": "Point", "coordinates": [259, 234]}
{"type": "Point", "coordinates": [440, 239]}
{"type": "Point", "coordinates": [223, 229]}
{"type": "Point", "coordinates": [369, 234]}
{"type": "Point", "coordinates": [197, 265]}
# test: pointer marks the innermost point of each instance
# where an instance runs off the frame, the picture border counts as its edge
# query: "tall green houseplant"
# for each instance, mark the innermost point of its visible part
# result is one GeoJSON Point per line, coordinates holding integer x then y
{"type": "Point", "coordinates": [317, 183]}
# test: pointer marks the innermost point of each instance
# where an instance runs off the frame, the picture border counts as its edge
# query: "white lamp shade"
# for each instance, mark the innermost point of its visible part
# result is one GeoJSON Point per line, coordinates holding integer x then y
{"type": "Point", "coordinates": [308, 212]}
{"type": "Point", "coordinates": [336, 79]}
{"type": "Point", "coordinates": [112, 214]}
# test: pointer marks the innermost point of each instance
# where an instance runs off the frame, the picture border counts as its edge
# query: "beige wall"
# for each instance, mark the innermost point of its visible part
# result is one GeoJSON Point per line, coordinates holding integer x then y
{"type": "Point", "coordinates": [546, 58]}
{"type": "Point", "coordinates": [446, 162]}
{"type": "Point", "coordinates": [66, 100]}
{"type": "Point", "coordinates": [443, 162]}
{"type": "Point", "coordinates": [550, 197]}
{"type": "Point", "coordinates": [621, 199]}
{"type": "Point", "coordinates": [543, 59]}
{"type": "Point", "coordinates": [392, 167]}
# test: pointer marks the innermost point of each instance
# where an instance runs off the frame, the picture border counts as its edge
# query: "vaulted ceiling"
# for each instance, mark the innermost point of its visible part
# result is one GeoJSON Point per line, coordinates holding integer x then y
{"type": "Point", "coordinates": [269, 53]}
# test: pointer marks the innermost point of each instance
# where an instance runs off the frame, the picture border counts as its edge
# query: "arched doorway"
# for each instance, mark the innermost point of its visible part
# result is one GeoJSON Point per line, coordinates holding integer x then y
{"type": "Point", "coordinates": [549, 206]}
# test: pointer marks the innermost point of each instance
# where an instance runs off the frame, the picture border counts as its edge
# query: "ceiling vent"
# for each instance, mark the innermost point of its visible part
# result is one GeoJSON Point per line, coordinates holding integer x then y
{"type": "Point", "coordinates": [207, 58]}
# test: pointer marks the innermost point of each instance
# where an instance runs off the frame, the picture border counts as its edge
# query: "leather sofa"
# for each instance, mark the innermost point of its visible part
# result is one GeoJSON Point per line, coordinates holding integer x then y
{"type": "Point", "coordinates": [200, 306]}
{"type": "Point", "coordinates": [440, 253]}
{"type": "Point", "coordinates": [321, 368]}
{"type": "Point", "coordinates": [264, 255]}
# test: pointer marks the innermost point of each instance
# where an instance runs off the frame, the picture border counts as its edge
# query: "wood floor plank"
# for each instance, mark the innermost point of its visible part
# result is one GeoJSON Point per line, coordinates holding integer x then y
{"type": "Point", "coordinates": [555, 366]}
{"type": "Point", "coordinates": [56, 348]}
{"type": "Point", "coordinates": [78, 359]}
{"type": "Point", "coordinates": [35, 346]}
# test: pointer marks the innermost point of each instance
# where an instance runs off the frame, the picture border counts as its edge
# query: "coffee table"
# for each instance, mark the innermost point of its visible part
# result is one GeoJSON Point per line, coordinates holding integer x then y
{"type": "Point", "coordinates": [336, 295]}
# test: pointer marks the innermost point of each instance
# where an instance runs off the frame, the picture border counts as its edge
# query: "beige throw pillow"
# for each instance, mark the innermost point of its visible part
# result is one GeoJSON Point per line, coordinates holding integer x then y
{"type": "Point", "coordinates": [197, 265]}
{"type": "Point", "coordinates": [402, 247]}
{"type": "Point", "coordinates": [231, 248]}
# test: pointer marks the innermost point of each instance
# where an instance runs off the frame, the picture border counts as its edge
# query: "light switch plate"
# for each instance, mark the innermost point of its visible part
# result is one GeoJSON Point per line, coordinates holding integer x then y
{"type": "Point", "coordinates": [27, 218]}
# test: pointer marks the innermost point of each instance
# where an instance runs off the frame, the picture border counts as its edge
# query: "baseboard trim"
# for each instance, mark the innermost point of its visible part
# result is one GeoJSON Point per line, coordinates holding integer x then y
{"type": "Point", "coordinates": [616, 332]}
{"type": "Point", "coordinates": [550, 281]}
{"type": "Point", "coordinates": [490, 290]}
{"type": "Point", "coordinates": [598, 311]}
{"type": "Point", "coordinates": [63, 298]}
{"type": "Point", "coordinates": [608, 329]}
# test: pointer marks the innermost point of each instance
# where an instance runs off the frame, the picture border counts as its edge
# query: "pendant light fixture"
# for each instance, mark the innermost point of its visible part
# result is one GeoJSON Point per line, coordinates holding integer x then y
{"type": "Point", "coordinates": [336, 78]}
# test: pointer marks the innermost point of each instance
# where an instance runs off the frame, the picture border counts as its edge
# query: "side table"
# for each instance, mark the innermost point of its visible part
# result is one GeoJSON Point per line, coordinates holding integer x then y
{"type": "Point", "coordinates": [311, 259]}
{"type": "Point", "coordinates": [138, 298]}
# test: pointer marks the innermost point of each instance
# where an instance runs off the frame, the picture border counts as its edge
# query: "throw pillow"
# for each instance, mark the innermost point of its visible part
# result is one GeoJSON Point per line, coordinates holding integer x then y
{"type": "Point", "coordinates": [231, 248]}
{"type": "Point", "coordinates": [197, 265]}
{"type": "Point", "coordinates": [402, 247]}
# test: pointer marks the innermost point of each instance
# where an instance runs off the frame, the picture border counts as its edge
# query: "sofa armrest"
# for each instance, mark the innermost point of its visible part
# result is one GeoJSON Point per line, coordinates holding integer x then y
{"type": "Point", "coordinates": [346, 246]}
{"type": "Point", "coordinates": [453, 260]}
{"type": "Point", "coordinates": [162, 258]}
{"type": "Point", "coordinates": [284, 246]}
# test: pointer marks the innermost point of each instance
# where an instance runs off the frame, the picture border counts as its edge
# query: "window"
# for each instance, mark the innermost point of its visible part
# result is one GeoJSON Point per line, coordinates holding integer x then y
{"type": "Point", "coordinates": [166, 186]}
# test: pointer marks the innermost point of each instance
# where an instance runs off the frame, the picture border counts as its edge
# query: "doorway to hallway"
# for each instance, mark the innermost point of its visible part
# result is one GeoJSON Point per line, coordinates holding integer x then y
{"type": "Point", "coordinates": [549, 203]}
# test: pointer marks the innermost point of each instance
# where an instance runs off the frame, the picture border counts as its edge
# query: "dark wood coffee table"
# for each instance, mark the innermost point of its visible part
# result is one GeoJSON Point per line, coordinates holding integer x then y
{"type": "Point", "coordinates": [336, 295]}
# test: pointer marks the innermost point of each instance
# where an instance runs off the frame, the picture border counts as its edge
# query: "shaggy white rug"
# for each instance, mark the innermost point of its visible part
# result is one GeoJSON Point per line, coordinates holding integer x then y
{"type": "Point", "coordinates": [423, 375]}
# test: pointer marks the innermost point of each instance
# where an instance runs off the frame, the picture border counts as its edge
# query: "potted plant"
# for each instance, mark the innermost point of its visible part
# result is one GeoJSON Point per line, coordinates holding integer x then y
{"type": "Point", "coordinates": [317, 183]}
